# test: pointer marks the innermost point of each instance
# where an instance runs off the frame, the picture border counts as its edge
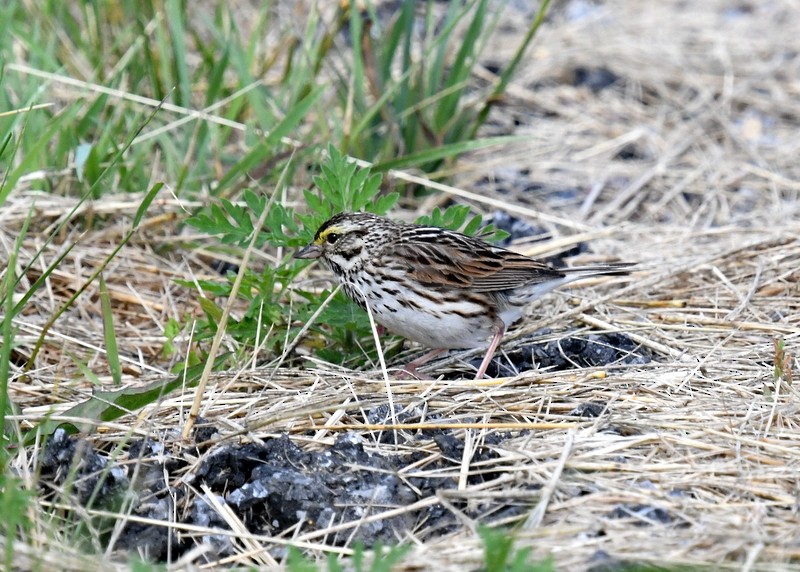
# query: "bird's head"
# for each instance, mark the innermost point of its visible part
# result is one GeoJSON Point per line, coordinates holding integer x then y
{"type": "Point", "coordinates": [346, 239]}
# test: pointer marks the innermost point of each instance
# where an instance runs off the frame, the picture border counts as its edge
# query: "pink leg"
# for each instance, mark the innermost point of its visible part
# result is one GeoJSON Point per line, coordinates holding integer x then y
{"type": "Point", "coordinates": [501, 329]}
{"type": "Point", "coordinates": [411, 367]}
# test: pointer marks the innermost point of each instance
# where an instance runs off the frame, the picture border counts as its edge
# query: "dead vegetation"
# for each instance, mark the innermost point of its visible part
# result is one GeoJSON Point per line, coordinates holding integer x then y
{"type": "Point", "coordinates": [686, 165]}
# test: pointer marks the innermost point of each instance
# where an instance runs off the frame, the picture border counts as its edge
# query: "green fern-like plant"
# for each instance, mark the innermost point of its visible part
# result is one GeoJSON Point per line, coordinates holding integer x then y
{"type": "Point", "coordinates": [340, 186]}
{"type": "Point", "coordinates": [382, 560]}
{"type": "Point", "coordinates": [500, 556]}
{"type": "Point", "coordinates": [457, 217]}
{"type": "Point", "coordinates": [342, 332]}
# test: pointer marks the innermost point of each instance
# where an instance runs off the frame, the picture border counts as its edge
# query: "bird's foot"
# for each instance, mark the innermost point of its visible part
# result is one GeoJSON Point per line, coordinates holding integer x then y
{"type": "Point", "coordinates": [409, 371]}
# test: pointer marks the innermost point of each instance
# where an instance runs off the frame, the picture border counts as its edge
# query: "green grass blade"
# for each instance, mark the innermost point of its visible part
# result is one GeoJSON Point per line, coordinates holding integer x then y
{"type": "Point", "coordinates": [461, 68]}
{"type": "Point", "coordinates": [146, 202]}
{"type": "Point", "coordinates": [15, 506]}
{"type": "Point", "coordinates": [445, 152]}
{"type": "Point", "coordinates": [148, 199]}
{"type": "Point", "coordinates": [262, 151]}
{"type": "Point", "coordinates": [35, 152]}
{"type": "Point", "coordinates": [175, 13]}
{"type": "Point", "coordinates": [296, 114]}
{"type": "Point", "coordinates": [39, 282]}
{"type": "Point", "coordinates": [112, 351]}
{"type": "Point", "coordinates": [85, 370]}
{"type": "Point", "coordinates": [358, 64]}
{"type": "Point", "coordinates": [7, 332]}
{"type": "Point", "coordinates": [110, 405]}
{"type": "Point", "coordinates": [84, 197]}
{"type": "Point", "coordinates": [511, 67]}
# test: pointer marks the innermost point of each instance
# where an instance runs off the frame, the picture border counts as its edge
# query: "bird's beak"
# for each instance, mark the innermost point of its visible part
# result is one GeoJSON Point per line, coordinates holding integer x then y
{"type": "Point", "coordinates": [309, 252]}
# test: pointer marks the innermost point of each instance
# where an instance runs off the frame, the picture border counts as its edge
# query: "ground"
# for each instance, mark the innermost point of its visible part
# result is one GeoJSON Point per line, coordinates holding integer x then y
{"type": "Point", "coordinates": [665, 135]}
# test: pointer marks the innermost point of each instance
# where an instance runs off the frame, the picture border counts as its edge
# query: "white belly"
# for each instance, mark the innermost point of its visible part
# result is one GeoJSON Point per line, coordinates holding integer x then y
{"type": "Point", "coordinates": [443, 331]}
{"type": "Point", "coordinates": [448, 325]}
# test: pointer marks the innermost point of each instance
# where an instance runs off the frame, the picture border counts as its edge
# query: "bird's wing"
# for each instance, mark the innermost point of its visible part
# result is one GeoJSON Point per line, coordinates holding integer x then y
{"type": "Point", "coordinates": [437, 258]}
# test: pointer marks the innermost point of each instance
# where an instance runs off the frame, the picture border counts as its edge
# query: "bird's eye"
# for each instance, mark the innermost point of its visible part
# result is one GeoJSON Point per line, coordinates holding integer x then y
{"type": "Point", "coordinates": [332, 238]}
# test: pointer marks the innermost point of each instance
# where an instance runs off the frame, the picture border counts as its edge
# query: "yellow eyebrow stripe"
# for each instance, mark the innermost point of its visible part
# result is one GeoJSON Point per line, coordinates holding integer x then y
{"type": "Point", "coordinates": [324, 234]}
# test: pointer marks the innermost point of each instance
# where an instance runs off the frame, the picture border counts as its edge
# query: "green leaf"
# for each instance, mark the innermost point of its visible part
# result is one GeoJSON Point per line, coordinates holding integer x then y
{"type": "Point", "coordinates": [343, 186]}
{"type": "Point", "coordinates": [213, 311]}
{"type": "Point", "coordinates": [16, 502]}
{"type": "Point", "coordinates": [112, 353]}
{"type": "Point", "coordinates": [175, 16]}
{"type": "Point", "coordinates": [461, 67]}
{"type": "Point", "coordinates": [110, 405]}
{"type": "Point", "coordinates": [7, 331]}
{"type": "Point", "coordinates": [296, 562]}
{"type": "Point", "coordinates": [473, 226]}
{"type": "Point", "coordinates": [171, 331]}
{"type": "Point", "coordinates": [146, 202]}
{"type": "Point", "coordinates": [263, 151]}
{"type": "Point", "coordinates": [37, 150]}
{"type": "Point", "coordinates": [85, 370]}
{"type": "Point", "coordinates": [454, 218]}
{"type": "Point", "coordinates": [333, 563]}
{"type": "Point", "coordinates": [42, 279]}
{"type": "Point", "coordinates": [296, 114]}
{"type": "Point", "coordinates": [497, 546]}
{"type": "Point", "coordinates": [446, 151]}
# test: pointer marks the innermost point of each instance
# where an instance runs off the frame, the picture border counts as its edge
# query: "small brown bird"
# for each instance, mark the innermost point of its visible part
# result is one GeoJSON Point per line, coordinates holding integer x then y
{"type": "Point", "coordinates": [434, 286]}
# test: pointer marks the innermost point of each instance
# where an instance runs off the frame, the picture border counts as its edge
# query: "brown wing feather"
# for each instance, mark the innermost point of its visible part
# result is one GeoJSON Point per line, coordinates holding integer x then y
{"type": "Point", "coordinates": [457, 261]}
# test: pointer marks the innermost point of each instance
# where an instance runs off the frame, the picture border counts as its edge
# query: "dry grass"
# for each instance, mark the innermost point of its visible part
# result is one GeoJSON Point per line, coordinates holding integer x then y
{"type": "Point", "coordinates": [706, 433]}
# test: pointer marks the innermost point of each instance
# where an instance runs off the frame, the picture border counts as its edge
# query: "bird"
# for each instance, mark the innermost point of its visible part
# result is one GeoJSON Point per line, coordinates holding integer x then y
{"type": "Point", "coordinates": [438, 287]}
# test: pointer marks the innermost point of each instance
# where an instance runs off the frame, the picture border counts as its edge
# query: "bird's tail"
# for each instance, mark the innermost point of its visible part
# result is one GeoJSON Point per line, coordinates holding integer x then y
{"type": "Point", "coordinates": [575, 273]}
{"type": "Point", "coordinates": [612, 269]}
